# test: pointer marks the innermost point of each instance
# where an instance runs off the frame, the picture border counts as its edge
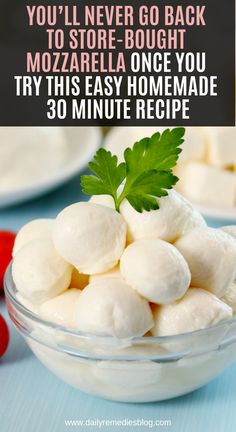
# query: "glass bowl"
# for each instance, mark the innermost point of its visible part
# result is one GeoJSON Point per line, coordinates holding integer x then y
{"type": "Point", "coordinates": [142, 369]}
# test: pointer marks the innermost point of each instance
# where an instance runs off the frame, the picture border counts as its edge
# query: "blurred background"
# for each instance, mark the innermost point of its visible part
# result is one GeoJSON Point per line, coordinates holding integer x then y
{"type": "Point", "coordinates": [40, 168]}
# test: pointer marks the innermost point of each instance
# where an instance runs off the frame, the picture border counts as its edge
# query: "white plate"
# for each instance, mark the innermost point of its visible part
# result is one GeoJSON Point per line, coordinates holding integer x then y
{"type": "Point", "coordinates": [82, 145]}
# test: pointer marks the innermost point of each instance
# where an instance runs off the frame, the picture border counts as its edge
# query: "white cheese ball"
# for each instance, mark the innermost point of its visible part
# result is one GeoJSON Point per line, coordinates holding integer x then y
{"type": "Point", "coordinates": [36, 229]}
{"type": "Point", "coordinates": [211, 256]}
{"type": "Point", "coordinates": [113, 308]}
{"type": "Point", "coordinates": [230, 297]}
{"type": "Point", "coordinates": [175, 217]}
{"type": "Point", "coordinates": [229, 229]}
{"type": "Point", "coordinates": [61, 309]}
{"type": "Point", "coordinates": [39, 273]}
{"type": "Point", "coordinates": [90, 236]}
{"type": "Point", "coordinates": [26, 303]}
{"type": "Point", "coordinates": [197, 310]}
{"type": "Point", "coordinates": [195, 144]}
{"type": "Point", "coordinates": [113, 273]}
{"type": "Point", "coordinates": [105, 200]}
{"type": "Point", "coordinates": [156, 270]}
{"type": "Point", "coordinates": [221, 146]}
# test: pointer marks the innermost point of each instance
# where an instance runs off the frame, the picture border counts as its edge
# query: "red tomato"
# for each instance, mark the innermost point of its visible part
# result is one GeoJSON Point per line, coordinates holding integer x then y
{"type": "Point", "coordinates": [7, 239]}
{"type": "Point", "coordinates": [4, 336]}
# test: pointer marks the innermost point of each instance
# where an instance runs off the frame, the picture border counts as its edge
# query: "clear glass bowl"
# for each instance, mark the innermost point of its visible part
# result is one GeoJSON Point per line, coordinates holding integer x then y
{"type": "Point", "coordinates": [140, 369]}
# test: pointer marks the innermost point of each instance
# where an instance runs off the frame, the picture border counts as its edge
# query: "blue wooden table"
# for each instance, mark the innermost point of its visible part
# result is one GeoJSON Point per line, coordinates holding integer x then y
{"type": "Point", "coordinates": [33, 400]}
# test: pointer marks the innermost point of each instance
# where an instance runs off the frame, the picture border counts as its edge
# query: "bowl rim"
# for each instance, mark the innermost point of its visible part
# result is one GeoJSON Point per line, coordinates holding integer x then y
{"type": "Point", "coordinates": [10, 291]}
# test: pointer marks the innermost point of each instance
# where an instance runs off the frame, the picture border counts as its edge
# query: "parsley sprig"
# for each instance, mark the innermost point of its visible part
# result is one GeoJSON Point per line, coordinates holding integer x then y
{"type": "Point", "coordinates": [146, 173]}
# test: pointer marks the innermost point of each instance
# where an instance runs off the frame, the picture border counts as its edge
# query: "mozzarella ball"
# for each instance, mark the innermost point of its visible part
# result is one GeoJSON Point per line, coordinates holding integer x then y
{"type": "Point", "coordinates": [175, 217]}
{"type": "Point", "coordinates": [230, 297]}
{"type": "Point", "coordinates": [208, 185]}
{"type": "Point", "coordinates": [78, 280]}
{"type": "Point", "coordinates": [61, 309]}
{"type": "Point", "coordinates": [195, 144]}
{"type": "Point", "coordinates": [27, 304]}
{"type": "Point", "coordinates": [36, 229]}
{"type": "Point", "coordinates": [156, 270]}
{"type": "Point", "coordinates": [39, 273]}
{"type": "Point", "coordinates": [114, 309]}
{"type": "Point", "coordinates": [221, 146]}
{"type": "Point", "coordinates": [90, 236]}
{"type": "Point", "coordinates": [105, 200]}
{"type": "Point", "coordinates": [197, 310]}
{"type": "Point", "coordinates": [211, 256]}
{"type": "Point", "coordinates": [230, 229]}
{"type": "Point", "coordinates": [113, 273]}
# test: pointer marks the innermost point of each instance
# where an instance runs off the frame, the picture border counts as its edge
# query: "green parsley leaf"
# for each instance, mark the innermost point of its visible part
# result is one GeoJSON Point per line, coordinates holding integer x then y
{"type": "Point", "coordinates": [108, 175]}
{"type": "Point", "coordinates": [159, 152]}
{"type": "Point", "coordinates": [141, 191]}
{"type": "Point", "coordinates": [147, 171]}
